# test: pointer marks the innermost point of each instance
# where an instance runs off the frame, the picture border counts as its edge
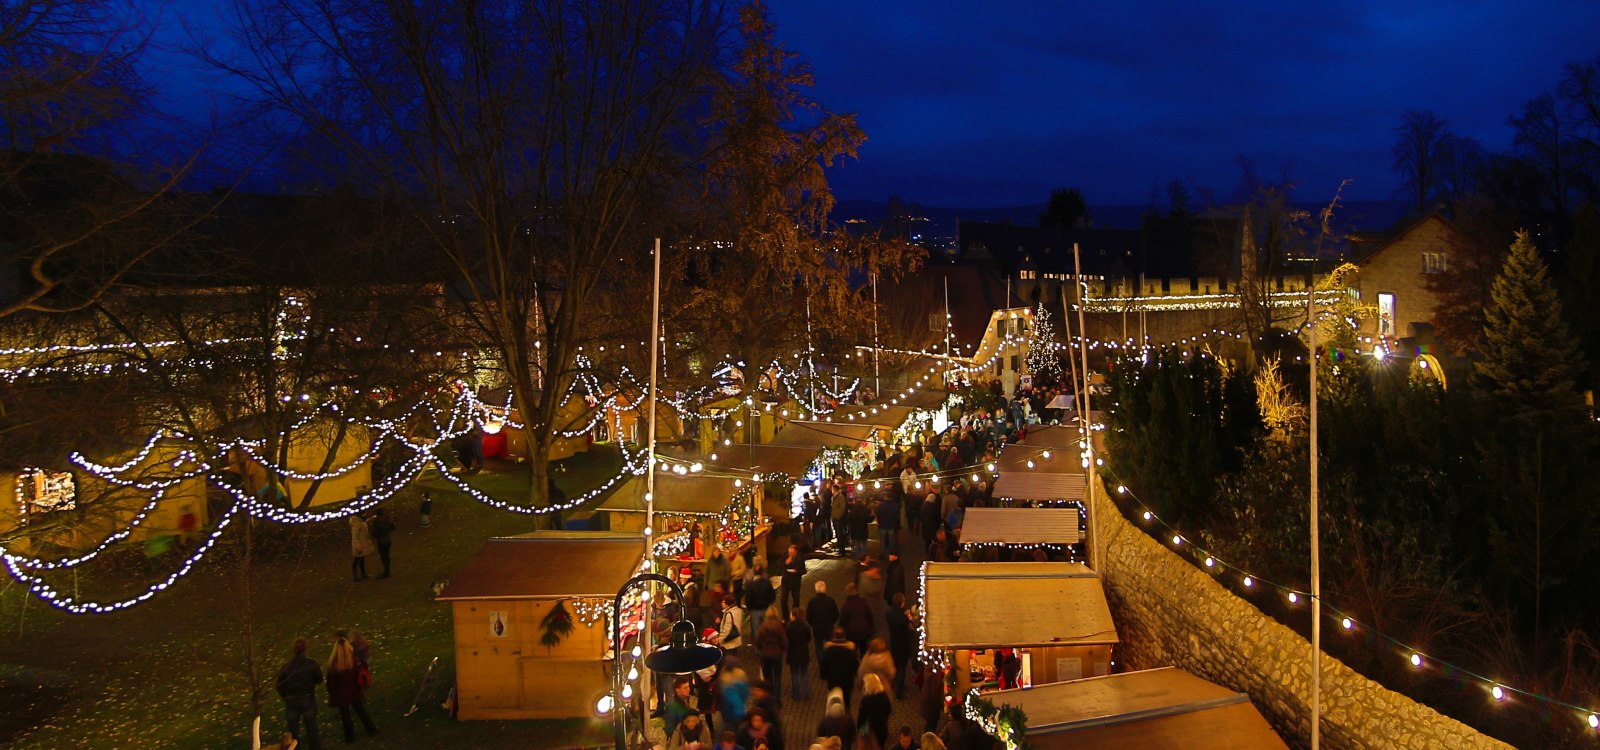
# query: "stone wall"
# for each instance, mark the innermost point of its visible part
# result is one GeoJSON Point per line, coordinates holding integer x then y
{"type": "Point", "coordinates": [1169, 612]}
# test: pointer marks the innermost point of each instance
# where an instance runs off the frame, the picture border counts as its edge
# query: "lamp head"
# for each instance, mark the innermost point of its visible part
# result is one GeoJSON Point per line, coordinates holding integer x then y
{"type": "Point", "coordinates": [686, 654]}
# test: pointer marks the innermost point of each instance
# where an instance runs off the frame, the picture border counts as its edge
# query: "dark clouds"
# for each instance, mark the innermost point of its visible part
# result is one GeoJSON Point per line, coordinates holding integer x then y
{"type": "Point", "coordinates": [975, 104]}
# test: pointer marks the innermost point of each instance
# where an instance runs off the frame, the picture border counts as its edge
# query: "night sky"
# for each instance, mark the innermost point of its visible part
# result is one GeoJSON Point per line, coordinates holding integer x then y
{"type": "Point", "coordinates": [972, 105]}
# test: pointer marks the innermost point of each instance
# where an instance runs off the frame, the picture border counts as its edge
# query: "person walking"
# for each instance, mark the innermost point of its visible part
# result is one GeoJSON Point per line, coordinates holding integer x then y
{"type": "Point", "coordinates": [894, 578]}
{"type": "Point", "coordinates": [794, 573]}
{"type": "Point", "coordinates": [873, 713]}
{"type": "Point", "coordinates": [900, 639]}
{"type": "Point", "coordinates": [772, 644]}
{"type": "Point", "coordinates": [360, 547]}
{"type": "Point", "coordinates": [798, 657]}
{"type": "Point", "coordinates": [822, 613]}
{"type": "Point", "coordinates": [425, 511]}
{"type": "Point", "coordinates": [839, 663]}
{"type": "Point", "coordinates": [691, 734]}
{"type": "Point", "coordinates": [836, 720]}
{"type": "Point", "coordinates": [836, 513]}
{"type": "Point", "coordinates": [758, 594]}
{"type": "Point", "coordinates": [347, 685]}
{"type": "Point", "coordinates": [728, 625]}
{"type": "Point", "coordinates": [855, 616]}
{"type": "Point", "coordinates": [382, 528]}
{"type": "Point", "coordinates": [297, 686]}
{"type": "Point", "coordinates": [931, 699]}
{"type": "Point", "coordinates": [888, 513]}
{"type": "Point", "coordinates": [877, 663]}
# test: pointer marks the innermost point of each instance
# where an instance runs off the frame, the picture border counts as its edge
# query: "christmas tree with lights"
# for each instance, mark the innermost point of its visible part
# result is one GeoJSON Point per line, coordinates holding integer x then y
{"type": "Point", "coordinates": [1043, 361]}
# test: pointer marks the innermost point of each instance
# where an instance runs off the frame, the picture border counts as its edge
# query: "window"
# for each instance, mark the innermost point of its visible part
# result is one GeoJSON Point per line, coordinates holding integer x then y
{"type": "Point", "coordinates": [1385, 313]}
{"type": "Point", "coordinates": [40, 492]}
{"type": "Point", "coordinates": [1433, 262]}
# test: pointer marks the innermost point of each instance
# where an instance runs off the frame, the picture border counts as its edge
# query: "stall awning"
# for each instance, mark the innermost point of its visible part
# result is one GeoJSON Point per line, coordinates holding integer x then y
{"type": "Point", "coordinates": [1021, 526]}
{"type": "Point", "coordinates": [765, 459]}
{"type": "Point", "coordinates": [881, 415]}
{"type": "Point", "coordinates": [819, 435]}
{"type": "Point", "coordinates": [1000, 605]}
{"type": "Point", "coordinates": [925, 399]}
{"type": "Point", "coordinates": [1158, 708]}
{"type": "Point", "coordinates": [696, 494]}
{"type": "Point", "coordinates": [548, 565]}
{"type": "Point", "coordinates": [1037, 485]}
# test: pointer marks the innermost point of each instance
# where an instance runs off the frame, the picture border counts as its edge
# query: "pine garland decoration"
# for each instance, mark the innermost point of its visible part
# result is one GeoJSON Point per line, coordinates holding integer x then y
{"type": "Point", "coordinates": [557, 624]}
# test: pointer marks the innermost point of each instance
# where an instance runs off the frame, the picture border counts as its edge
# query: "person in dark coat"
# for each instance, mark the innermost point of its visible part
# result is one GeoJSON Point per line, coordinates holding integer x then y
{"type": "Point", "coordinates": [756, 728]}
{"type": "Point", "coordinates": [382, 529]}
{"type": "Point", "coordinates": [345, 691]}
{"type": "Point", "coordinates": [855, 616]}
{"type": "Point", "coordinates": [874, 709]}
{"type": "Point", "coordinates": [894, 578]}
{"type": "Point", "coordinates": [794, 573]}
{"type": "Point", "coordinates": [836, 720]}
{"type": "Point", "coordinates": [799, 656]}
{"type": "Point", "coordinates": [822, 613]}
{"type": "Point", "coordinates": [931, 700]}
{"type": "Point", "coordinates": [297, 685]}
{"type": "Point", "coordinates": [759, 596]}
{"type": "Point", "coordinates": [839, 663]}
{"type": "Point", "coordinates": [901, 638]}
{"type": "Point", "coordinates": [888, 515]}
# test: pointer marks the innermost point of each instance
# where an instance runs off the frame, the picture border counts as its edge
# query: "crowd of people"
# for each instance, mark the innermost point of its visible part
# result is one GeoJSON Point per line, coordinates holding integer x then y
{"type": "Point", "coordinates": [813, 636]}
{"type": "Point", "coordinates": [347, 676]}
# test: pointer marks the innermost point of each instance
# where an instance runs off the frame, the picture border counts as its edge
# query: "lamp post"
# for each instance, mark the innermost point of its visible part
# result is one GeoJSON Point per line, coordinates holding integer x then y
{"type": "Point", "coordinates": [683, 655]}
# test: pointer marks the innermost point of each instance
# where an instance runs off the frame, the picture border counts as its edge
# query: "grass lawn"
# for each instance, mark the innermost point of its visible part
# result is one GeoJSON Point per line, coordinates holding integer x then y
{"type": "Point", "coordinates": [172, 672]}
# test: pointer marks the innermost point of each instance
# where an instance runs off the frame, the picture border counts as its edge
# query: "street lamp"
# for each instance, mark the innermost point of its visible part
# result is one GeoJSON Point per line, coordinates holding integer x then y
{"type": "Point", "coordinates": [684, 654]}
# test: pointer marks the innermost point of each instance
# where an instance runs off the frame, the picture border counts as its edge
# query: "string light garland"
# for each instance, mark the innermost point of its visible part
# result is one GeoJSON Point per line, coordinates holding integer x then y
{"type": "Point", "coordinates": [1418, 659]}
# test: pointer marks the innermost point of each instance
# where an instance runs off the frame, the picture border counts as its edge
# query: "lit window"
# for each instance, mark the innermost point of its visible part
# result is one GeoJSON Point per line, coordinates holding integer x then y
{"type": "Point", "coordinates": [1385, 314]}
{"type": "Point", "coordinates": [39, 492]}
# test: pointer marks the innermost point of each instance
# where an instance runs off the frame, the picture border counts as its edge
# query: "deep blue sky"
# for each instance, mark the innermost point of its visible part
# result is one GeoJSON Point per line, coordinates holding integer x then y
{"type": "Point", "coordinates": [977, 104]}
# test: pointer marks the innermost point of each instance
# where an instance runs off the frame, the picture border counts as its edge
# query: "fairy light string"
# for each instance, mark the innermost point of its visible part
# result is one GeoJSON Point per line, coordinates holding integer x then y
{"type": "Point", "coordinates": [1205, 559]}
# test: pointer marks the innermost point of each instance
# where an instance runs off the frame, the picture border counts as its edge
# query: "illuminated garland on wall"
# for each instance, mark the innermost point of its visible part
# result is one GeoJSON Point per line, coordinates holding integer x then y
{"type": "Point", "coordinates": [1496, 691]}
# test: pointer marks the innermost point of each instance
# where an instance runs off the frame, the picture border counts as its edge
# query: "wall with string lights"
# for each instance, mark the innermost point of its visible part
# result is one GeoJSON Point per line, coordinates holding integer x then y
{"type": "Point", "coordinates": [1174, 610]}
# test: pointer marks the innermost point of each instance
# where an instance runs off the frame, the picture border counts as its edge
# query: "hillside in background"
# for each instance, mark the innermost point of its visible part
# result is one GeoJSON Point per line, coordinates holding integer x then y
{"type": "Point", "coordinates": [935, 226]}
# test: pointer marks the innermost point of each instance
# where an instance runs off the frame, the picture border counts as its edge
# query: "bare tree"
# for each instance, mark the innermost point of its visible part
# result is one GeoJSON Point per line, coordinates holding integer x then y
{"type": "Point", "coordinates": [79, 209]}
{"type": "Point", "coordinates": [1418, 152]}
{"type": "Point", "coordinates": [769, 269]}
{"type": "Point", "coordinates": [1542, 139]}
{"type": "Point", "coordinates": [529, 142]}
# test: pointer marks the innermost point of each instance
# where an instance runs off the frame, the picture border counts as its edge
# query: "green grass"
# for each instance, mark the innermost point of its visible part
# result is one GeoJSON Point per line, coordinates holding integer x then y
{"type": "Point", "coordinates": [172, 672]}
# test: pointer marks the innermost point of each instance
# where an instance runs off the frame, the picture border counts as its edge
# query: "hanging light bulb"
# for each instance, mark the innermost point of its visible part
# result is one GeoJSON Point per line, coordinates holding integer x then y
{"type": "Point", "coordinates": [1346, 623]}
{"type": "Point", "coordinates": [1498, 693]}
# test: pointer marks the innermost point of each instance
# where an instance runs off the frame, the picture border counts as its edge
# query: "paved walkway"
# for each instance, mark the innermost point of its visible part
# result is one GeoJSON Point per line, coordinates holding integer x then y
{"type": "Point", "coordinates": [800, 718]}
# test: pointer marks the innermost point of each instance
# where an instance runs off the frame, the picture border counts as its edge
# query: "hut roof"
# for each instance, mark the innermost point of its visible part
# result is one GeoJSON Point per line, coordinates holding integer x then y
{"type": "Point", "coordinates": [548, 565]}
{"type": "Point", "coordinates": [1165, 707]}
{"type": "Point", "coordinates": [999, 605]}
{"type": "Point", "coordinates": [1022, 526]}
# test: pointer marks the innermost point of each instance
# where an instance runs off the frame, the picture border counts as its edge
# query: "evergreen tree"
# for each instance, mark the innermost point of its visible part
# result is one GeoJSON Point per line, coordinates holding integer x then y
{"type": "Point", "coordinates": [1530, 358]}
{"type": "Point", "coordinates": [1043, 362]}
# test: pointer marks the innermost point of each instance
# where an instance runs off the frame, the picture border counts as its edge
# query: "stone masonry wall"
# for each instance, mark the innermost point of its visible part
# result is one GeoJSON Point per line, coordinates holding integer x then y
{"type": "Point", "coordinates": [1169, 612]}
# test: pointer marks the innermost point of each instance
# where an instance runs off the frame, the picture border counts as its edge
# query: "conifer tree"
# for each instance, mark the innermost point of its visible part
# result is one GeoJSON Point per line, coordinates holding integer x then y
{"type": "Point", "coordinates": [1043, 361]}
{"type": "Point", "coordinates": [1530, 358]}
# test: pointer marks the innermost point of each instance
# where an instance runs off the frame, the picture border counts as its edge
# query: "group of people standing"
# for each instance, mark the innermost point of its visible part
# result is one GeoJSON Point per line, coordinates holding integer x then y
{"type": "Point", "coordinates": [348, 675]}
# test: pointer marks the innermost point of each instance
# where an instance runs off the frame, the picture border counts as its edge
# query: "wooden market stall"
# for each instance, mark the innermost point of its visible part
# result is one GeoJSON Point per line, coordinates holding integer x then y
{"type": "Point", "coordinates": [503, 439]}
{"type": "Point", "coordinates": [1153, 708]}
{"type": "Point", "coordinates": [74, 509]}
{"type": "Point", "coordinates": [725, 510]}
{"type": "Point", "coordinates": [504, 603]}
{"type": "Point", "coordinates": [797, 464]}
{"type": "Point", "coordinates": [1049, 528]}
{"type": "Point", "coordinates": [1053, 614]}
{"type": "Point", "coordinates": [858, 440]}
{"type": "Point", "coordinates": [349, 469]}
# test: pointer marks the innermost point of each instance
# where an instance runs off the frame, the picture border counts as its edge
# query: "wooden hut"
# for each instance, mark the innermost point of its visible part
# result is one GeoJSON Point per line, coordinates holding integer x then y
{"type": "Point", "coordinates": [75, 510]}
{"type": "Point", "coordinates": [503, 604]}
{"type": "Point", "coordinates": [1053, 614]}
{"type": "Point", "coordinates": [1152, 708]}
{"type": "Point", "coordinates": [1055, 530]}
{"type": "Point", "coordinates": [310, 446]}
